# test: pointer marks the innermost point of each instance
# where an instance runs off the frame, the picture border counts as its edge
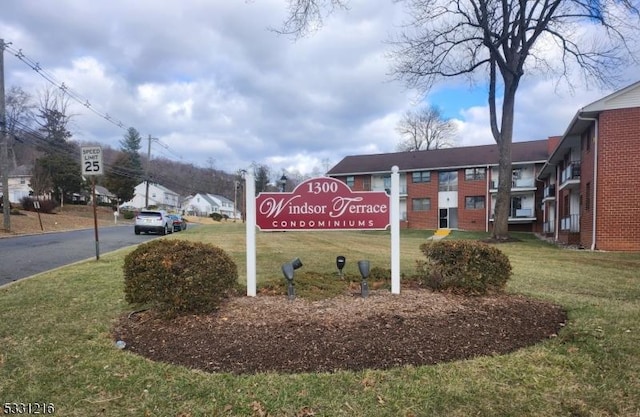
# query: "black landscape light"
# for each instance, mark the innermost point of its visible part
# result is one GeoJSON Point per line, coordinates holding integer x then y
{"type": "Point", "coordinates": [287, 271]}
{"type": "Point", "coordinates": [340, 262]}
{"type": "Point", "coordinates": [283, 182]}
{"type": "Point", "coordinates": [363, 266]}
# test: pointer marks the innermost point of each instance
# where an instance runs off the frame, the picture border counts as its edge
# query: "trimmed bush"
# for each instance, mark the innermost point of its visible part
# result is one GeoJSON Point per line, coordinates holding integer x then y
{"type": "Point", "coordinates": [379, 274]}
{"type": "Point", "coordinates": [216, 216]}
{"type": "Point", "coordinates": [178, 276]}
{"type": "Point", "coordinates": [46, 206]}
{"type": "Point", "coordinates": [467, 267]}
{"type": "Point", "coordinates": [128, 214]}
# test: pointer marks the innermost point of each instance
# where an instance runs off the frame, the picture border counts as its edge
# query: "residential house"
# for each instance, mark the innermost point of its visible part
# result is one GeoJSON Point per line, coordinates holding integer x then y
{"type": "Point", "coordinates": [18, 180]}
{"type": "Point", "coordinates": [159, 196]}
{"type": "Point", "coordinates": [203, 204]}
{"type": "Point", "coordinates": [578, 188]}
{"type": "Point", "coordinates": [104, 196]}
{"type": "Point", "coordinates": [591, 178]}
{"type": "Point", "coordinates": [452, 188]}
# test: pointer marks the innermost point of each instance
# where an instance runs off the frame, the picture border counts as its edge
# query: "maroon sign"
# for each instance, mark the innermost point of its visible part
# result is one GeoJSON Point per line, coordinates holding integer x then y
{"type": "Point", "coordinates": [323, 204]}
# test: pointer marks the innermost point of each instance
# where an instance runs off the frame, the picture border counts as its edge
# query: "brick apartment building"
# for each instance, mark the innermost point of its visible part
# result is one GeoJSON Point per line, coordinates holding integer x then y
{"type": "Point", "coordinates": [578, 188]}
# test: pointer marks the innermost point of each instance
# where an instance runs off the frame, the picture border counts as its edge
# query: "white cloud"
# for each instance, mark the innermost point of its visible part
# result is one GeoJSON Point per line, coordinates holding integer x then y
{"type": "Point", "coordinates": [212, 82]}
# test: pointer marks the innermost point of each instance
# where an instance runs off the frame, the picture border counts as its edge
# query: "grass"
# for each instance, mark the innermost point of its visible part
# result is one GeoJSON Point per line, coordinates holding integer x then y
{"type": "Point", "coordinates": [55, 343]}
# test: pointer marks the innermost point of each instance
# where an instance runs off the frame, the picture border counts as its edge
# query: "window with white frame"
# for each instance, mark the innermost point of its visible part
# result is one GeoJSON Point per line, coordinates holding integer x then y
{"type": "Point", "coordinates": [448, 181]}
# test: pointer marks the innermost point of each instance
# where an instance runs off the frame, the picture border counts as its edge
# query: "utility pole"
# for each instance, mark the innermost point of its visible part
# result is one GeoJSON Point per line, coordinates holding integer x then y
{"type": "Point", "coordinates": [4, 154]}
{"type": "Point", "coordinates": [146, 175]}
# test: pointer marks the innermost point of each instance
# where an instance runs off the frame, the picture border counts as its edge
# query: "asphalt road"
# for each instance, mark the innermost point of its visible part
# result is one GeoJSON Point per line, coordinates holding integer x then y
{"type": "Point", "coordinates": [23, 256]}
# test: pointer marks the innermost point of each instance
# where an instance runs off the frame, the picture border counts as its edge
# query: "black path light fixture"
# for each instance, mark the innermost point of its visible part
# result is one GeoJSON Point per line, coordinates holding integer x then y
{"type": "Point", "coordinates": [287, 270]}
{"type": "Point", "coordinates": [364, 268]}
{"type": "Point", "coordinates": [283, 182]}
{"type": "Point", "coordinates": [340, 262]}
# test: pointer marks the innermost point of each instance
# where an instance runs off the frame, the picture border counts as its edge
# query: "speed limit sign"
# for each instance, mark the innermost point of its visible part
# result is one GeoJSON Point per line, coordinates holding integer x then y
{"type": "Point", "coordinates": [92, 160]}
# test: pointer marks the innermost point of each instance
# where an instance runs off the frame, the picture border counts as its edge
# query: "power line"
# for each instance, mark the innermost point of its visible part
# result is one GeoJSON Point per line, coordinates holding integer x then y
{"type": "Point", "coordinates": [49, 77]}
{"type": "Point", "coordinates": [71, 93]}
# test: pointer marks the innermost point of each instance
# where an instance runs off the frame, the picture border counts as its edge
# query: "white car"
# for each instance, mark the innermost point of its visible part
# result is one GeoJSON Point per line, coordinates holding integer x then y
{"type": "Point", "coordinates": [153, 221]}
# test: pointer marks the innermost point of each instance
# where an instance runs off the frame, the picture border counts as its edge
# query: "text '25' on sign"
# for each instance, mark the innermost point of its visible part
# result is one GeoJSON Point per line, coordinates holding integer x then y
{"type": "Point", "coordinates": [323, 203]}
{"type": "Point", "coordinates": [91, 160]}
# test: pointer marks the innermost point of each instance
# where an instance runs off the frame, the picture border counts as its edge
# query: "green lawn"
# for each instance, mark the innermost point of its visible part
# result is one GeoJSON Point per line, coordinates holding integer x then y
{"type": "Point", "coordinates": [55, 345]}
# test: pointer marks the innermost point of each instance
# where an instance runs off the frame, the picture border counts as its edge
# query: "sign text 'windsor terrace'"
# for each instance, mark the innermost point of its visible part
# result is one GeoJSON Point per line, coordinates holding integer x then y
{"type": "Point", "coordinates": [323, 204]}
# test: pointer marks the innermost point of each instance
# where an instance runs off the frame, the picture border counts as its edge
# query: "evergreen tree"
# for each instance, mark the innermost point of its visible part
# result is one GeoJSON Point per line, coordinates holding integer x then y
{"type": "Point", "coordinates": [122, 178]}
{"type": "Point", "coordinates": [130, 144]}
{"type": "Point", "coordinates": [61, 160]}
{"type": "Point", "coordinates": [127, 171]}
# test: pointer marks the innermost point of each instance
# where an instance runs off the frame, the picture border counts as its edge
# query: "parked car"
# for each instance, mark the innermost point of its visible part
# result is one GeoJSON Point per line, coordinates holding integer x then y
{"type": "Point", "coordinates": [179, 223]}
{"type": "Point", "coordinates": [153, 221]}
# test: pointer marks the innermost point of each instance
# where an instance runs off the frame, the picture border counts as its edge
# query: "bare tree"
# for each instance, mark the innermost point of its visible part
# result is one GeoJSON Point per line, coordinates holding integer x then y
{"type": "Point", "coordinates": [20, 116]}
{"type": "Point", "coordinates": [306, 16]}
{"type": "Point", "coordinates": [497, 41]}
{"type": "Point", "coordinates": [503, 39]}
{"type": "Point", "coordinates": [425, 129]}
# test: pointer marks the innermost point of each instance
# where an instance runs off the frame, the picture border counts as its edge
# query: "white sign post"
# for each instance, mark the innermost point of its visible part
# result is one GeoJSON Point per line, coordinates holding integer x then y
{"type": "Point", "coordinates": [250, 213]}
{"type": "Point", "coordinates": [394, 220]}
{"type": "Point", "coordinates": [91, 162]}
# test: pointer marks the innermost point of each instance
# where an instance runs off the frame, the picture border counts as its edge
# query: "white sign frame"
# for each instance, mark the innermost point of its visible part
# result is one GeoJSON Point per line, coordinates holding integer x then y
{"type": "Point", "coordinates": [394, 220]}
{"type": "Point", "coordinates": [91, 160]}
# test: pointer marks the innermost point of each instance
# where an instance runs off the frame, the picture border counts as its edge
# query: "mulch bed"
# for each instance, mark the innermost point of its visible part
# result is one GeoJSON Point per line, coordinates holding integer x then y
{"type": "Point", "coordinates": [272, 333]}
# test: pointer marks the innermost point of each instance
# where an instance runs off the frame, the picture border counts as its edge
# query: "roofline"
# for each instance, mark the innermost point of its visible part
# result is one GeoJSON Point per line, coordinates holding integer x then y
{"type": "Point", "coordinates": [574, 120]}
{"type": "Point", "coordinates": [449, 167]}
{"type": "Point", "coordinates": [586, 112]}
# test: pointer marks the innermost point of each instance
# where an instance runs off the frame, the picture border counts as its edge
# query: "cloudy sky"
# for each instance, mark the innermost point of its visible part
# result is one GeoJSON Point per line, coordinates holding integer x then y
{"type": "Point", "coordinates": [213, 84]}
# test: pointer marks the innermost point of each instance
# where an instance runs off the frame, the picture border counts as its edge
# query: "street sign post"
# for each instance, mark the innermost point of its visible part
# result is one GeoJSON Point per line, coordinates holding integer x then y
{"type": "Point", "coordinates": [91, 165]}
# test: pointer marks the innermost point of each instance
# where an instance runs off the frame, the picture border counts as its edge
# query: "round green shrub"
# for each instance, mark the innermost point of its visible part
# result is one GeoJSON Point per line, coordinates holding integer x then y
{"type": "Point", "coordinates": [216, 216]}
{"type": "Point", "coordinates": [468, 267]}
{"type": "Point", "coordinates": [178, 276]}
{"type": "Point", "coordinates": [128, 214]}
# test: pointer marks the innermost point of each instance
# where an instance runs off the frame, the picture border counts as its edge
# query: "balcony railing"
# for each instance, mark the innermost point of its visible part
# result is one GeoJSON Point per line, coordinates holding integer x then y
{"type": "Point", "coordinates": [570, 223]}
{"type": "Point", "coordinates": [403, 189]}
{"type": "Point", "coordinates": [518, 214]}
{"type": "Point", "coordinates": [516, 183]}
{"type": "Point", "coordinates": [549, 191]}
{"type": "Point", "coordinates": [571, 172]}
{"type": "Point", "coordinates": [549, 227]}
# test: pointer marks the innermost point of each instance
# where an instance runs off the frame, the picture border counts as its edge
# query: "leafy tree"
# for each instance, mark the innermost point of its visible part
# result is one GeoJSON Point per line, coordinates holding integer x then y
{"type": "Point", "coordinates": [498, 41]}
{"type": "Point", "coordinates": [425, 129]}
{"type": "Point", "coordinates": [126, 171]}
{"type": "Point", "coordinates": [61, 173]}
{"type": "Point", "coordinates": [262, 173]}
{"type": "Point", "coordinates": [122, 178]}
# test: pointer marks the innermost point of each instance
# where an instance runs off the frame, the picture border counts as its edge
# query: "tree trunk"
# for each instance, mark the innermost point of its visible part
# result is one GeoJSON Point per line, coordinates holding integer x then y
{"type": "Point", "coordinates": [505, 172]}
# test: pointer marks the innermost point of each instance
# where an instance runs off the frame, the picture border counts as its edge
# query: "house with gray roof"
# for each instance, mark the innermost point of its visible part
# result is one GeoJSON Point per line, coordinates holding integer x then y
{"type": "Point", "coordinates": [204, 204]}
{"type": "Point", "coordinates": [159, 196]}
{"type": "Point", "coordinates": [18, 181]}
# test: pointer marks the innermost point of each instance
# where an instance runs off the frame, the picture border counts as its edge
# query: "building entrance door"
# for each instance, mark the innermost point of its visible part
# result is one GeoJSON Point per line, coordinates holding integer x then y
{"type": "Point", "coordinates": [444, 218]}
